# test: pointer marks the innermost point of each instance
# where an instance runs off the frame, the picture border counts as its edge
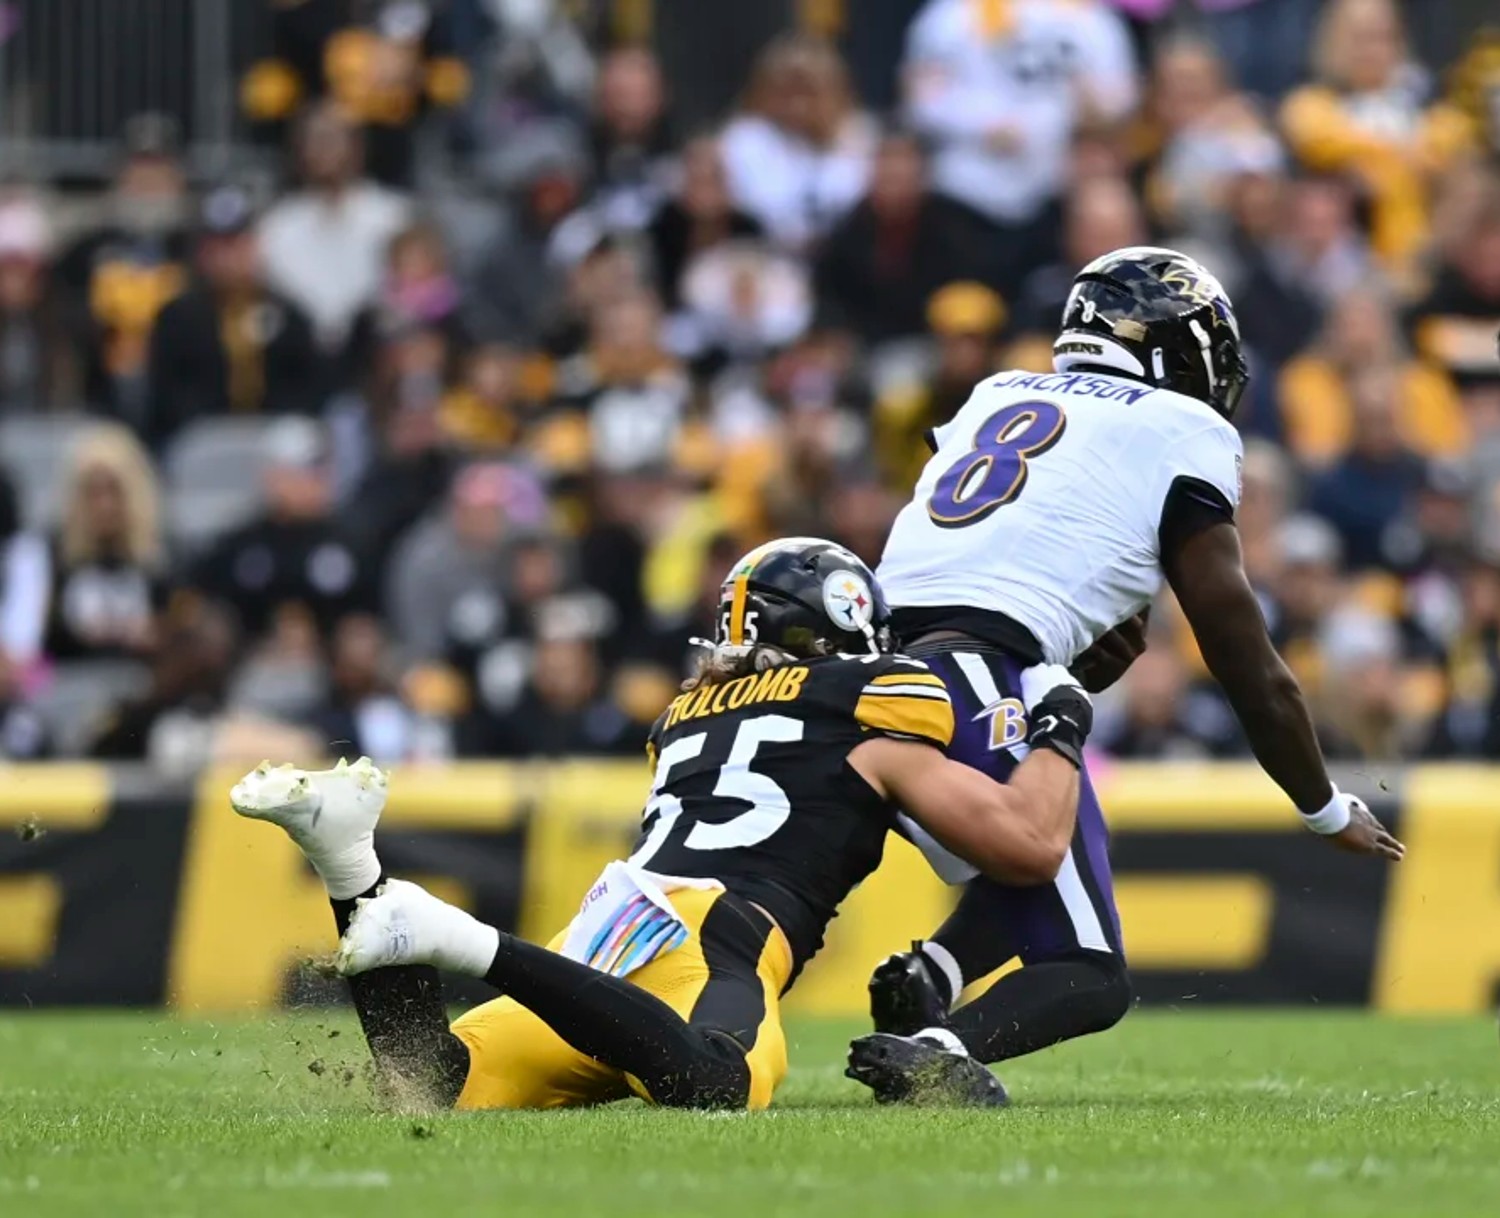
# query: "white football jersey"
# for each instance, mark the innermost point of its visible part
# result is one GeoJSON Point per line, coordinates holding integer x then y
{"type": "Point", "coordinates": [1032, 67]}
{"type": "Point", "coordinates": [1044, 499]}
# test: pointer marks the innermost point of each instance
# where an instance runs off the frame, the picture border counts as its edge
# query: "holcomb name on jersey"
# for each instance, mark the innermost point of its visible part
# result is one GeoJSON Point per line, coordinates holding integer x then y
{"type": "Point", "coordinates": [1053, 520]}
{"type": "Point", "coordinates": [893, 694]}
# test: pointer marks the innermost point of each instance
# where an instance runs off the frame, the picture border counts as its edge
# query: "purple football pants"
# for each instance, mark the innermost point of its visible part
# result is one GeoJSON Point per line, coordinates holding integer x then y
{"type": "Point", "coordinates": [995, 922]}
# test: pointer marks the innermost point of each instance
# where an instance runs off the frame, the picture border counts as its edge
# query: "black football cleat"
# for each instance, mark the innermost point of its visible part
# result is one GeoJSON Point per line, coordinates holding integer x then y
{"type": "Point", "coordinates": [920, 1072]}
{"type": "Point", "coordinates": [903, 997]}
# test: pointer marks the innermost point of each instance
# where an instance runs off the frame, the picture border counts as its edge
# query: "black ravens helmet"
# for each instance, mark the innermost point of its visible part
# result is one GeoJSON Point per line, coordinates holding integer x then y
{"type": "Point", "coordinates": [1157, 316]}
{"type": "Point", "coordinates": [804, 596]}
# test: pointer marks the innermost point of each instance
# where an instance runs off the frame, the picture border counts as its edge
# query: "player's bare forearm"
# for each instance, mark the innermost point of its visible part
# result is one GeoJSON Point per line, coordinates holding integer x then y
{"type": "Point", "coordinates": [1207, 574]}
{"type": "Point", "coordinates": [1269, 703]}
{"type": "Point", "coordinates": [1046, 786]}
{"type": "Point", "coordinates": [1018, 833]}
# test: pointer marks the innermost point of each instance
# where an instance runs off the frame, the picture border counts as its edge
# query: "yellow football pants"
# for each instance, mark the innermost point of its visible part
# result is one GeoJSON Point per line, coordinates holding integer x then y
{"type": "Point", "coordinates": [517, 1061]}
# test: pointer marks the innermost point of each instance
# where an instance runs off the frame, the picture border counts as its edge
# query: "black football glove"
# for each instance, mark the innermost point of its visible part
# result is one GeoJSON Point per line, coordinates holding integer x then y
{"type": "Point", "coordinates": [1061, 721]}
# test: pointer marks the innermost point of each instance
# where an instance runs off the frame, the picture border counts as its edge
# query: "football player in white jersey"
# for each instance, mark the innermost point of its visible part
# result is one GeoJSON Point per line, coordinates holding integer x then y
{"type": "Point", "coordinates": [1051, 511]}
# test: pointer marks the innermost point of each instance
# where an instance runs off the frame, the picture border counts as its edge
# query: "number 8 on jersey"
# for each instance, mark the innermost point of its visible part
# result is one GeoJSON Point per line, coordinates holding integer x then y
{"type": "Point", "coordinates": [993, 472]}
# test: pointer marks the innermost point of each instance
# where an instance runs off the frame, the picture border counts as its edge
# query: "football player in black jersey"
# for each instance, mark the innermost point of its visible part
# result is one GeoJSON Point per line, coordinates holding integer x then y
{"type": "Point", "coordinates": [777, 773]}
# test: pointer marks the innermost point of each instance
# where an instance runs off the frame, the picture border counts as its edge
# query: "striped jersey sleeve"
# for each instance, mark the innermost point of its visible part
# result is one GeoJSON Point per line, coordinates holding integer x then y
{"type": "Point", "coordinates": [906, 699]}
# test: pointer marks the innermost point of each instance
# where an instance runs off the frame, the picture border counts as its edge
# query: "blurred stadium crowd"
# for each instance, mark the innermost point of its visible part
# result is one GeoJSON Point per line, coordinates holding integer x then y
{"type": "Point", "coordinates": [436, 440]}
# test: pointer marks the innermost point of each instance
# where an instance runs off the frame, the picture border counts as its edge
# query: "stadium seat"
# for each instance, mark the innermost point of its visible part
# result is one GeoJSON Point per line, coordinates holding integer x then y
{"type": "Point", "coordinates": [34, 449]}
{"type": "Point", "coordinates": [80, 694]}
{"type": "Point", "coordinates": [213, 482]}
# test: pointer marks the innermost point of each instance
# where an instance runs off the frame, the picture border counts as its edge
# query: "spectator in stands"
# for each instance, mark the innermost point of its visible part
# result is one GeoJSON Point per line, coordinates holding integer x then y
{"type": "Point", "coordinates": [567, 706]}
{"type": "Point", "coordinates": [34, 371]}
{"type": "Point", "coordinates": [999, 90]}
{"type": "Point", "coordinates": [1457, 321]}
{"type": "Point", "coordinates": [502, 405]}
{"type": "Point", "coordinates": [1202, 135]}
{"type": "Point", "coordinates": [698, 216]}
{"type": "Point", "coordinates": [540, 580]}
{"type": "Point", "coordinates": [407, 459]}
{"type": "Point", "coordinates": [229, 344]}
{"type": "Point", "coordinates": [1276, 307]}
{"type": "Point", "coordinates": [798, 157]}
{"type": "Point", "coordinates": [1368, 116]}
{"type": "Point", "coordinates": [1469, 723]}
{"type": "Point", "coordinates": [882, 262]}
{"type": "Point", "coordinates": [116, 278]}
{"type": "Point", "coordinates": [1316, 389]}
{"type": "Point", "coordinates": [1431, 547]}
{"type": "Point", "coordinates": [484, 411]}
{"type": "Point", "coordinates": [1264, 41]}
{"type": "Point", "coordinates": [1475, 86]}
{"type": "Point", "coordinates": [1363, 493]}
{"type": "Point", "coordinates": [446, 584]}
{"type": "Point", "coordinates": [295, 553]}
{"type": "Point", "coordinates": [630, 139]}
{"type": "Point", "coordinates": [25, 575]}
{"type": "Point", "coordinates": [185, 722]}
{"type": "Point", "coordinates": [860, 515]}
{"type": "Point", "coordinates": [1321, 249]}
{"type": "Point", "coordinates": [965, 320]}
{"type": "Point", "coordinates": [420, 287]}
{"type": "Point", "coordinates": [519, 291]}
{"type": "Point", "coordinates": [189, 682]}
{"type": "Point", "coordinates": [742, 301]}
{"type": "Point", "coordinates": [818, 462]}
{"type": "Point", "coordinates": [108, 579]}
{"type": "Point", "coordinates": [1164, 719]}
{"type": "Point", "coordinates": [1365, 710]}
{"type": "Point", "coordinates": [531, 83]}
{"type": "Point", "coordinates": [1304, 589]}
{"type": "Point", "coordinates": [362, 714]}
{"type": "Point", "coordinates": [642, 492]}
{"type": "Point", "coordinates": [1100, 214]}
{"type": "Point", "coordinates": [633, 392]}
{"type": "Point", "coordinates": [667, 642]}
{"type": "Point", "coordinates": [385, 71]}
{"type": "Point", "coordinates": [325, 244]}
{"type": "Point", "coordinates": [1265, 496]}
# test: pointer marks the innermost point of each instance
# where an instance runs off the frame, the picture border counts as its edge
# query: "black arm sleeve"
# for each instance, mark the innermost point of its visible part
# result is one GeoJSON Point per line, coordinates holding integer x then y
{"type": "Point", "coordinates": [1191, 506]}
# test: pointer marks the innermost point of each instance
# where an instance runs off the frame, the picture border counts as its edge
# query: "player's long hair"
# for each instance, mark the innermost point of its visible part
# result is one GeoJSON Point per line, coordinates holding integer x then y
{"type": "Point", "coordinates": [726, 662]}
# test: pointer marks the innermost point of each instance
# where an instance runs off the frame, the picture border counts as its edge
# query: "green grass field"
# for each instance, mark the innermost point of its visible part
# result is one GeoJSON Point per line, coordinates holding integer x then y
{"type": "Point", "coordinates": [1247, 1114]}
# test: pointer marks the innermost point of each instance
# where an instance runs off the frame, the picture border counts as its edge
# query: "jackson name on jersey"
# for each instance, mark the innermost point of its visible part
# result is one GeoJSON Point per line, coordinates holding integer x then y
{"type": "Point", "coordinates": [1043, 501]}
{"type": "Point", "coordinates": [751, 786]}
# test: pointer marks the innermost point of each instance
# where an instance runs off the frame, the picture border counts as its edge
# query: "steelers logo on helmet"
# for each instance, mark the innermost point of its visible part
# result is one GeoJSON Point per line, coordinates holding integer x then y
{"type": "Point", "coordinates": [848, 601]}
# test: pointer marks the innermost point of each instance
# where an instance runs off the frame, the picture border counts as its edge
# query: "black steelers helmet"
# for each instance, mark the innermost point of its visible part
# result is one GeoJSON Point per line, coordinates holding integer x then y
{"type": "Point", "coordinates": [1157, 316]}
{"type": "Point", "coordinates": [804, 596]}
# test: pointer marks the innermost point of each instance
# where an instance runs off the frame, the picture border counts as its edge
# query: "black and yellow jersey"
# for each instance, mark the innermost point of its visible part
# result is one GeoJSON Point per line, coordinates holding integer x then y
{"type": "Point", "coordinates": [752, 787]}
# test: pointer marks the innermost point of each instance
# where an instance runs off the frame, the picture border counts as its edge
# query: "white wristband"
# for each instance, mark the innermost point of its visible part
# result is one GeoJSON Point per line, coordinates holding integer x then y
{"type": "Point", "coordinates": [1041, 679]}
{"type": "Point", "coordinates": [1333, 817]}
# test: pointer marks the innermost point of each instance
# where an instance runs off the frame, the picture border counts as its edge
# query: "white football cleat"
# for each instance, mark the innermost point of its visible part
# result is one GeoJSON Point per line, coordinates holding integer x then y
{"type": "Point", "coordinates": [331, 814]}
{"type": "Point", "coordinates": [403, 923]}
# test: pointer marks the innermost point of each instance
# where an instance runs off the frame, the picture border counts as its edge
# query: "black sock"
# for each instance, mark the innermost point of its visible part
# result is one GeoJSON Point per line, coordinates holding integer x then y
{"type": "Point", "coordinates": [616, 1022]}
{"type": "Point", "coordinates": [405, 1024]}
{"type": "Point", "coordinates": [1042, 1004]}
